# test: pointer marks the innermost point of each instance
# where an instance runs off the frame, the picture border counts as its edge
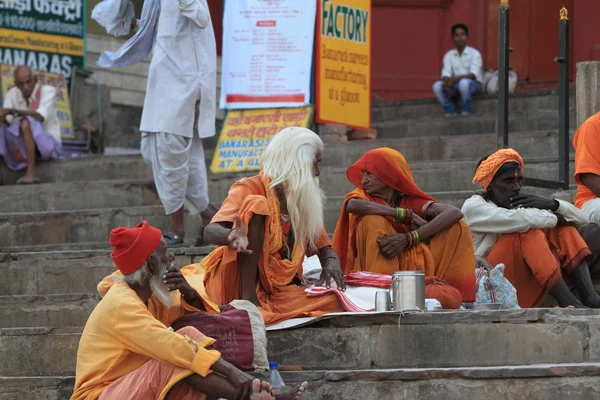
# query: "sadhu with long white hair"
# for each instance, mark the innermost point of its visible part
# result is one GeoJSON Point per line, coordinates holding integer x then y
{"type": "Point", "coordinates": [265, 228]}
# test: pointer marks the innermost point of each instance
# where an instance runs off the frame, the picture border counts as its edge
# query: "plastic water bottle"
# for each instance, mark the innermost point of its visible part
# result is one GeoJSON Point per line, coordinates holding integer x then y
{"type": "Point", "coordinates": [275, 379]}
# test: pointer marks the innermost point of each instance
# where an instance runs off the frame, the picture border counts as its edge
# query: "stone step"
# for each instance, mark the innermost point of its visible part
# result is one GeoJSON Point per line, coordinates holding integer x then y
{"type": "Point", "coordinates": [50, 310]}
{"type": "Point", "coordinates": [81, 195]}
{"type": "Point", "coordinates": [68, 272]}
{"type": "Point", "coordinates": [53, 228]}
{"type": "Point", "coordinates": [471, 125]}
{"type": "Point", "coordinates": [22, 229]}
{"type": "Point", "coordinates": [457, 339]}
{"type": "Point", "coordinates": [482, 105]}
{"type": "Point", "coordinates": [540, 381]}
{"type": "Point", "coordinates": [423, 147]}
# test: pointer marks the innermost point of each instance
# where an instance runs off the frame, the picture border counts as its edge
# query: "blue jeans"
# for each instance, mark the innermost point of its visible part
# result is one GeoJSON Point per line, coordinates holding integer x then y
{"type": "Point", "coordinates": [466, 87]}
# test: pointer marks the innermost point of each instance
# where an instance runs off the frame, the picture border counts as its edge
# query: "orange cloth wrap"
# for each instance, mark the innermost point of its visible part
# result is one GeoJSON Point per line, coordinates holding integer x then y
{"type": "Point", "coordinates": [587, 161]}
{"type": "Point", "coordinates": [279, 299]}
{"type": "Point", "coordinates": [448, 255]}
{"type": "Point", "coordinates": [488, 168]}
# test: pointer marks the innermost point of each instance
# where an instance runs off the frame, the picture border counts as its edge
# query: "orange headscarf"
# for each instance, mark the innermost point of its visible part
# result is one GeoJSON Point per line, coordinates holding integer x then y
{"type": "Point", "coordinates": [390, 167]}
{"type": "Point", "coordinates": [488, 168]}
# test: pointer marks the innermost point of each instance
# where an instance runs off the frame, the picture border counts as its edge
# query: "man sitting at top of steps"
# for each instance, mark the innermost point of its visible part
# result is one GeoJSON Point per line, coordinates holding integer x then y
{"type": "Point", "coordinates": [127, 352]}
{"type": "Point", "coordinates": [461, 74]}
{"type": "Point", "coordinates": [29, 126]}
{"type": "Point", "coordinates": [535, 237]}
{"type": "Point", "coordinates": [388, 224]}
{"type": "Point", "coordinates": [180, 102]}
{"type": "Point", "coordinates": [264, 229]}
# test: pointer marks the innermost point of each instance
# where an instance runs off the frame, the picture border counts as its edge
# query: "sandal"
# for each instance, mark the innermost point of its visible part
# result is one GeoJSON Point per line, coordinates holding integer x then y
{"type": "Point", "coordinates": [173, 240]}
{"type": "Point", "coordinates": [28, 180]}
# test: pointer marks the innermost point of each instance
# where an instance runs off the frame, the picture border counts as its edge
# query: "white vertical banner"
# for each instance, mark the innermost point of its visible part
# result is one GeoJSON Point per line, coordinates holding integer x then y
{"type": "Point", "coordinates": [267, 53]}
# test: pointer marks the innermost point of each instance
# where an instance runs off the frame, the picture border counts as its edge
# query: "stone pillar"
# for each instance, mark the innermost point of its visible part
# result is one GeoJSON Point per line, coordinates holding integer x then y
{"type": "Point", "coordinates": [588, 90]}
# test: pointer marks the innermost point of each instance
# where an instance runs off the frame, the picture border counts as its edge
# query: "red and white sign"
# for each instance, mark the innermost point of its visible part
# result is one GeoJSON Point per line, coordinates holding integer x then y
{"type": "Point", "coordinates": [267, 53]}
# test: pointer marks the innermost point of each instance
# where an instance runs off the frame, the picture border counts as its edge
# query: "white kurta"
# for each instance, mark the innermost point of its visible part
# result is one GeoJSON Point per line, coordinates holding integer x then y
{"type": "Point", "coordinates": [487, 221]}
{"type": "Point", "coordinates": [183, 70]}
{"type": "Point", "coordinates": [46, 107]}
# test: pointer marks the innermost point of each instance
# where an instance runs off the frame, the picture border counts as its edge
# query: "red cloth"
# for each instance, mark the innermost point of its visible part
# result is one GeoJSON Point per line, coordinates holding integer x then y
{"type": "Point", "coordinates": [133, 246]}
{"type": "Point", "coordinates": [348, 305]}
{"type": "Point", "coordinates": [437, 288]}
{"type": "Point", "coordinates": [369, 279]}
{"type": "Point", "coordinates": [232, 331]}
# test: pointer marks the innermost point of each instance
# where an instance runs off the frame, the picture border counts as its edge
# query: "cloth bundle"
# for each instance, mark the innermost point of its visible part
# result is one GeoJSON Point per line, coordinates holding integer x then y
{"type": "Point", "coordinates": [369, 279]}
{"type": "Point", "coordinates": [493, 287]}
{"type": "Point", "coordinates": [239, 331]}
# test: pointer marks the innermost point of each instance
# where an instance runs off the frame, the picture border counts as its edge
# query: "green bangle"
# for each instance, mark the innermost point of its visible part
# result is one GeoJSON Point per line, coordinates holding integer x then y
{"type": "Point", "coordinates": [399, 218]}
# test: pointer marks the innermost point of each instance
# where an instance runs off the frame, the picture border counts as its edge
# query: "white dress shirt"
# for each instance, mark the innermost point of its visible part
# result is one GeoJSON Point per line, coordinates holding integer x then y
{"type": "Point", "coordinates": [183, 70]}
{"type": "Point", "coordinates": [46, 107]}
{"type": "Point", "coordinates": [469, 62]}
{"type": "Point", "coordinates": [487, 221]}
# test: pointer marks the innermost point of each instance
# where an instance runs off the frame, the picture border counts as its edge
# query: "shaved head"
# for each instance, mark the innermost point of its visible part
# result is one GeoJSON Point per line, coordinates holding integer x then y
{"type": "Point", "coordinates": [23, 72]}
{"type": "Point", "coordinates": [25, 80]}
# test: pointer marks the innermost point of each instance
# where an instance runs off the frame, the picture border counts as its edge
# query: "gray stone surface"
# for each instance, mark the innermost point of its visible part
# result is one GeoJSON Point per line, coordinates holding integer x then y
{"type": "Point", "coordinates": [38, 351]}
{"type": "Point", "coordinates": [520, 103]}
{"type": "Point", "coordinates": [69, 196]}
{"type": "Point", "coordinates": [67, 272]}
{"type": "Point", "coordinates": [36, 388]}
{"type": "Point", "coordinates": [54, 310]}
{"type": "Point", "coordinates": [548, 381]}
{"type": "Point", "coordinates": [588, 90]}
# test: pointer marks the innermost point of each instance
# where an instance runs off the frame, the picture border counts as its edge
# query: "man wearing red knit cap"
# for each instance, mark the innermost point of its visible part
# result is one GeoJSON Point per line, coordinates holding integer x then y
{"type": "Point", "coordinates": [534, 237]}
{"type": "Point", "coordinates": [126, 350]}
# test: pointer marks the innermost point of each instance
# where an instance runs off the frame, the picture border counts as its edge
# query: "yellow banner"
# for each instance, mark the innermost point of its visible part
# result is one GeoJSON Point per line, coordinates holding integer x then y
{"type": "Point", "coordinates": [26, 40]}
{"type": "Point", "coordinates": [246, 134]}
{"type": "Point", "coordinates": [344, 62]}
{"type": "Point", "coordinates": [63, 107]}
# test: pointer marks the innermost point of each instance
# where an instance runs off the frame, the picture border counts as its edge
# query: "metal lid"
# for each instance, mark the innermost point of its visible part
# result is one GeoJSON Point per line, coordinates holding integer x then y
{"type": "Point", "coordinates": [408, 273]}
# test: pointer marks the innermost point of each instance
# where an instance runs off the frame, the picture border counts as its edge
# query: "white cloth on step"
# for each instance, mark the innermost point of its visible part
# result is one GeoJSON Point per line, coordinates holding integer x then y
{"type": "Point", "coordinates": [179, 170]}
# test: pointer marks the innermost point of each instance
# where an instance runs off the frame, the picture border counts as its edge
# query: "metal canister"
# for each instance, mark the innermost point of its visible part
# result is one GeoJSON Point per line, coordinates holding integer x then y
{"type": "Point", "coordinates": [408, 290]}
{"type": "Point", "coordinates": [382, 300]}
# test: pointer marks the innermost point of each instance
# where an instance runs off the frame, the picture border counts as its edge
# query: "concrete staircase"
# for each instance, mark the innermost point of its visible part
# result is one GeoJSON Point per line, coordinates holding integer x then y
{"type": "Point", "coordinates": [54, 251]}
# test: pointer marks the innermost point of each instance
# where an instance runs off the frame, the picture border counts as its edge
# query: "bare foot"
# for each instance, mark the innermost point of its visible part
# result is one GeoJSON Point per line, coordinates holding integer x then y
{"type": "Point", "coordinates": [261, 391]}
{"type": "Point", "coordinates": [297, 394]}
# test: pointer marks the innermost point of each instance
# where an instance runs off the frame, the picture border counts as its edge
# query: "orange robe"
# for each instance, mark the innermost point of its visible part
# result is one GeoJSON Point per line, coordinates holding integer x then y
{"type": "Point", "coordinates": [123, 334]}
{"type": "Point", "coordinates": [535, 259]}
{"type": "Point", "coordinates": [279, 298]}
{"type": "Point", "coordinates": [587, 160]}
{"type": "Point", "coordinates": [449, 255]}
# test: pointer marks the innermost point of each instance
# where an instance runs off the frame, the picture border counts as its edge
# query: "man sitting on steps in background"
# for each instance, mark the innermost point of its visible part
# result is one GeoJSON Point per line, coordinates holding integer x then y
{"type": "Point", "coordinates": [461, 74]}
{"type": "Point", "coordinates": [266, 226]}
{"type": "Point", "coordinates": [534, 237]}
{"type": "Point", "coordinates": [29, 126]}
{"type": "Point", "coordinates": [126, 350]}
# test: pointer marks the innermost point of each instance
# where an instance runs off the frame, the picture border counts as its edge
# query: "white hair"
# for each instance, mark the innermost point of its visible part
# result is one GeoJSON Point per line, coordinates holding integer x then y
{"type": "Point", "coordinates": [288, 160]}
{"type": "Point", "coordinates": [143, 277]}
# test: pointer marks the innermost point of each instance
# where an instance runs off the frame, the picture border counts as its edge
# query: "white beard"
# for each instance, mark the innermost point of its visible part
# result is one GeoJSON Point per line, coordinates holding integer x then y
{"type": "Point", "coordinates": [159, 289]}
{"type": "Point", "coordinates": [306, 208]}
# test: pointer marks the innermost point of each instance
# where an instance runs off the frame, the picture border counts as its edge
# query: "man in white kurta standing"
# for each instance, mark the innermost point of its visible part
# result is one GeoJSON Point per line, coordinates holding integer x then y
{"type": "Point", "coordinates": [180, 103]}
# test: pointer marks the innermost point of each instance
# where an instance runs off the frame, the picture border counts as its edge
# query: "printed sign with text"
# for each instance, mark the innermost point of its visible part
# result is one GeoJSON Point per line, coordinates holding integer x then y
{"type": "Point", "coordinates": [46, 35]}
{"type": "Point", "coordinates": [246, 134]}
{"type": "Point", "coordinates": [344, 62]}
